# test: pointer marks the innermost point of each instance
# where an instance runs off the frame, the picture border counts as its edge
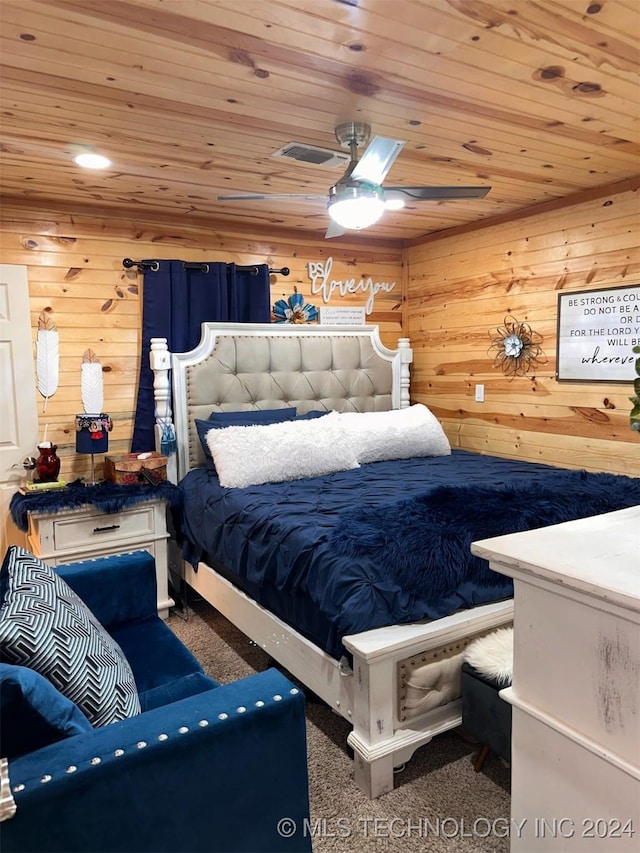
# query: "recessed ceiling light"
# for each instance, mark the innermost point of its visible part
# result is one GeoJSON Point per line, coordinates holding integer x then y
{"type": "Point", "coordinates": [92, 161]}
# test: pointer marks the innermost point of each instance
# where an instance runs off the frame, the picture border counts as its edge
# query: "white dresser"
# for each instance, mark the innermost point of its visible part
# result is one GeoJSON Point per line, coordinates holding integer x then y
{"type": "Point", "coordinates": [575, 694]}
{"type": "Point", "coordinates": [69, 535]}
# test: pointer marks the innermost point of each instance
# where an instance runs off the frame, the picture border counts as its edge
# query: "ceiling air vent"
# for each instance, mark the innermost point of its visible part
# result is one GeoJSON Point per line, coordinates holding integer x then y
{"type": "Point", "coordinates": [303, 153]}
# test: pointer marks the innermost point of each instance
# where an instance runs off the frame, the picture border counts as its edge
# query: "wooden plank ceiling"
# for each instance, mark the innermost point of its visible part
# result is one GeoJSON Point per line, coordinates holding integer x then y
{"type": "Point", "coordinates": [190, 98]}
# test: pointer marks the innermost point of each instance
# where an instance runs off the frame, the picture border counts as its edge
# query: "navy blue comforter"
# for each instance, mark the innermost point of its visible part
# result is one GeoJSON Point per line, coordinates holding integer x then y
{"type": "Point", "coordinates": [384, 544]}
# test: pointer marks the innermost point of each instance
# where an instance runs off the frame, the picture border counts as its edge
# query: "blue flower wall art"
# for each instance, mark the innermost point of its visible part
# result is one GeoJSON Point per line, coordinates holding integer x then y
{"type": "Point", "coordinates": [294, 310]}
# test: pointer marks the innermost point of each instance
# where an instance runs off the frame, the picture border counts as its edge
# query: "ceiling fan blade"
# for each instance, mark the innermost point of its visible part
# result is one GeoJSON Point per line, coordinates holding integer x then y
{"type": "Point", "coordinates": [433, 193]}
{"type": "Point", "coordinates": [377, 160]}
{"type": "Point", "coordinates": [334, 230]}
{"type": "Point", "coordinates": [267, 196]}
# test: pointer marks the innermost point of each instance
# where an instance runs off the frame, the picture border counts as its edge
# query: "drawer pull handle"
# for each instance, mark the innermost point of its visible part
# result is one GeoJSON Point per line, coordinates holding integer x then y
{"type": "Point", "coordinates": [106, 529]}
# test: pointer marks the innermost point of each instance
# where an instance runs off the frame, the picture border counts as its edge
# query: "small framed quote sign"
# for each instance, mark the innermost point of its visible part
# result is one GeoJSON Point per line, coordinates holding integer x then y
{"type": "Point", "coordinates": [597, 330]}
{"type": "Point", "coordinates": [342, 316]}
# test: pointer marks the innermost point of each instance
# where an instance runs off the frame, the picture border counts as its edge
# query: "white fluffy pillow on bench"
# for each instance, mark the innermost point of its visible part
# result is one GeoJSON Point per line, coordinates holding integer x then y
{"type": "Point", "coordinates": [251, 455]}
{"type": "Point", "coordinates": [492, 655]}
{"type": "Point", "coordinates": [396, 434]}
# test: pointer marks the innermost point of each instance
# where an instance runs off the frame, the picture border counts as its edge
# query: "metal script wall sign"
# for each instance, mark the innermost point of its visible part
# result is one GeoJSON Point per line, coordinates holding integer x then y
{"type": "Point", "coordinates": [597, 330]}
{"type": "Point", "coordinates": [322, 283]}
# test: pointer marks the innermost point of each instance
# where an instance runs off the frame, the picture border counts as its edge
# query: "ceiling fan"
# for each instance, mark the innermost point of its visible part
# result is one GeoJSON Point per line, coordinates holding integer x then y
{"type": "Point", "coordinates": [358, 199]}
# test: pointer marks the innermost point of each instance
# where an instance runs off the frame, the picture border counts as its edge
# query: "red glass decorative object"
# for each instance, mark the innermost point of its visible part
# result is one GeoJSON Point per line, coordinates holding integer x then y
{"type": "Point", "coordinates": [48, 463]}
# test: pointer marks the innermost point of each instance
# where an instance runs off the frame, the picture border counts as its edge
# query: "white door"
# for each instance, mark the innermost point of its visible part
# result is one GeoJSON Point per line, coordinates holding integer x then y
{"type": "Point", "coordinates": [18, 409]}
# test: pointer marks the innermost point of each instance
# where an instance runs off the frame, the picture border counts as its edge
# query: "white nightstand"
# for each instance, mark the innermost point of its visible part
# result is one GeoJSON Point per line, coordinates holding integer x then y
{"type": "Point", "coordinates": [69, 535]}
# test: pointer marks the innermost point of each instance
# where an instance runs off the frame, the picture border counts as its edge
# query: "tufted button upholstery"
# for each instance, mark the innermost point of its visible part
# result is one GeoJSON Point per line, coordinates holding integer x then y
{"type": "Point", "coordinates": [246, 373]}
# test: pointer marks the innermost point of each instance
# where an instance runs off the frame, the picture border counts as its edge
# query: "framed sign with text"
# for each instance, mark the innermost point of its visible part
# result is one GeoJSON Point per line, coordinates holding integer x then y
{"type": "Point", "coordinates": [597, 330]}
{"type": "Point", "coordinates": [343, 316]}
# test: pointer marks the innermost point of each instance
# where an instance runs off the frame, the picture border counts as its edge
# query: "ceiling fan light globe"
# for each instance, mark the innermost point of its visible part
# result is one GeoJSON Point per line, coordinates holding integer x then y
{"type": "Point", "coordinates": [356, 213]}
{"type": "Point", "coordinates": [355, 207]}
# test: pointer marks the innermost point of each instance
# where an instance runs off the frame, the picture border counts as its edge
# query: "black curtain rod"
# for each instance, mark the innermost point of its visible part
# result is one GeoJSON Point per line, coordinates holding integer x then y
{"type": "Point", "coordinates": [154, 266]}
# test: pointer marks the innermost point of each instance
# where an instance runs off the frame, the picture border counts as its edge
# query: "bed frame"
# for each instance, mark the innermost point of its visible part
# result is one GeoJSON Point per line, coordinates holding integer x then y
{"type": "Point", "coordinates": [244, 366]}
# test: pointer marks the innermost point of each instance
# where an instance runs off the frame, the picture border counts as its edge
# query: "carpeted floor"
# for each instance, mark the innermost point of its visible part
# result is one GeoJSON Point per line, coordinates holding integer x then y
{"type": "Point", "coordinates": [439, 804]}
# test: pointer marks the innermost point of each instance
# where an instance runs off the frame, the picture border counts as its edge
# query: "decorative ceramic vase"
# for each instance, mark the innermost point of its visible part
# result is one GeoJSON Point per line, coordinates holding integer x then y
{"type": "Point", "coordinates": [48, 463]}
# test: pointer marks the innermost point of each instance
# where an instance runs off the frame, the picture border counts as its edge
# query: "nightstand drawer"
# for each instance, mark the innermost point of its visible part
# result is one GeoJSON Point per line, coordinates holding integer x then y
{"type": "Point", "coordinates": [70, 534]}
{"type": "Point", "coordinates": [97, 529]}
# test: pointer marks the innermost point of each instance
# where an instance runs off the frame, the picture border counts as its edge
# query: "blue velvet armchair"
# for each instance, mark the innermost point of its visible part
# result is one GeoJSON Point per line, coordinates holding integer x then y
{"type": "Point", "coordinates": [203, 767]}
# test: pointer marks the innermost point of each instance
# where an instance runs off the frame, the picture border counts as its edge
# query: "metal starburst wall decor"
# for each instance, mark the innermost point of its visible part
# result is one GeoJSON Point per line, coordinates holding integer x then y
{"type": "Point", "coordinates": [516, 348]}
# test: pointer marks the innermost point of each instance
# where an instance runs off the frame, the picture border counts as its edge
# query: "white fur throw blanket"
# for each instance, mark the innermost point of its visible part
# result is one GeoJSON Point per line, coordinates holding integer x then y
{"type": "Point", "coordinates": [492, 655]}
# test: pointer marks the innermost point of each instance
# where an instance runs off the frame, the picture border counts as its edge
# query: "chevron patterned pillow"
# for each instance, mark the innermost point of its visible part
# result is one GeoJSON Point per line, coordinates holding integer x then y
{"type": "Point", "coordinates": [45, 626]}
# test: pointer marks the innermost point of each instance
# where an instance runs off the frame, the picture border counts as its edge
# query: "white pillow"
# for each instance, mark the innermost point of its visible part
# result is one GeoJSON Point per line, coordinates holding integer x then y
{"type": "Point", "coordinates": [273, 453]}
{"type": "Point", "coordinates": [396, 434]}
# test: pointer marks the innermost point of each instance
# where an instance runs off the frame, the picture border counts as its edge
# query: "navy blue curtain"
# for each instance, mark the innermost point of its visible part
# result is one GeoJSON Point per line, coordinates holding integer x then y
{"type": "Point", "coordinates": [176, 300]}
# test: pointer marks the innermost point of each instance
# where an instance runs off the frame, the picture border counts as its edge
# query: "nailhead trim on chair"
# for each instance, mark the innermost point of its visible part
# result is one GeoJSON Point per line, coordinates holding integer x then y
{"type": "Point", "coordinates": [241, 709]}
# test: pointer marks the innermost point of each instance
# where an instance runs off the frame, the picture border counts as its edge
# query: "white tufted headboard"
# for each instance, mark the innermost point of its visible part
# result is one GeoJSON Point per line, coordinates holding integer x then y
{"type": "Point", "coordinates": [241, 366]}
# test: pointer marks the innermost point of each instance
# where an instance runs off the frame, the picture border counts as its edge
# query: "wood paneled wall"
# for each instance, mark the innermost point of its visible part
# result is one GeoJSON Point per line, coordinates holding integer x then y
{"type": "Point", "coordinates": [75, 273]}
{"type": "Point", "coordinates": [461, 286]}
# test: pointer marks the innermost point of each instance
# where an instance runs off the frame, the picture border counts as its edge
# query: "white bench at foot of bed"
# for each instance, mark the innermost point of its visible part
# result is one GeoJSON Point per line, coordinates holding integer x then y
{"type": "Point", "coordinates": [366, 695]}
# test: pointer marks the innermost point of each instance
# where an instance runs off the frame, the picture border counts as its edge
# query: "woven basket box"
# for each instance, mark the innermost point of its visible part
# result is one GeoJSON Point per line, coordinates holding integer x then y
{"type": "Point", "coordinates": [127, 470]}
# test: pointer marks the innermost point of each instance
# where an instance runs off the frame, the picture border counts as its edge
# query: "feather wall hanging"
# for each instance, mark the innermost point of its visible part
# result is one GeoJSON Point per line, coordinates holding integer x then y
{"type": "Point", "coordinates": [91, 388]}
{"type": "Point", "coordinates": [47, 357]}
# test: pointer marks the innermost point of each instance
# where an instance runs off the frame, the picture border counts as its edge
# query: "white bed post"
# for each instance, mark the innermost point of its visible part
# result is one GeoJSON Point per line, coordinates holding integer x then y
{"type": "Point", "coordinates": [406, 357]}
{"type": "Point", "coordinates": [373, 725]}
{"type": "Point", "coordinates": [160, 363]}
